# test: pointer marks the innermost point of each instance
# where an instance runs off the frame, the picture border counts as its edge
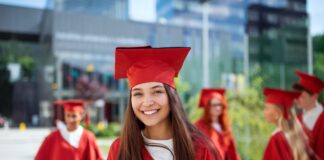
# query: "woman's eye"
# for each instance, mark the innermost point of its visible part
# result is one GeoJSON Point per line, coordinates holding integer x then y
{"type": "Point", "coordinates": [137, 94]}
{"type": "Point", "coordinates": [158, 92]}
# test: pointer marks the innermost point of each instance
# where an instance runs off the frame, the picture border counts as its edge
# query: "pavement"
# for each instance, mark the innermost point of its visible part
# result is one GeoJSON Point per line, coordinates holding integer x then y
{"type": "Point", "coordinates": [23, 145]}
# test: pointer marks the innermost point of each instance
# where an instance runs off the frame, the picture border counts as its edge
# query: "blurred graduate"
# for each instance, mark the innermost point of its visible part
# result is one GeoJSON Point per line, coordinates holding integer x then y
{"type": "Point", "coordinates": [288, 141]}
{"type": "Point", "coordinates": [215, 122]}
{"type": "Point", "coordinates": [312, 115]}
{"type": "Point", "coordinates": [70, 141]}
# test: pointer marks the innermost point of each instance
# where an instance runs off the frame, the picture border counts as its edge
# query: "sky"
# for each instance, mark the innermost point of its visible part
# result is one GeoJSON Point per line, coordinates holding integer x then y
{"type": "Point", "coordinates": [314, 7]}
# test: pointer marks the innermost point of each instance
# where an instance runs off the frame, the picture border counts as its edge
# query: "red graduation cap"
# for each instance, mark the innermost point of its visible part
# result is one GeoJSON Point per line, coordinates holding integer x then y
{"type": "Point", "coordinates": [309, 82]}
{"type": "Point", "coordinates": [71, 105]}
{"type": "Point", "coordinates": [146, 64]}
{"type": "Point", "coordinates": [209, 93]}
{"type": "Point", "coordinates": [282, 98]}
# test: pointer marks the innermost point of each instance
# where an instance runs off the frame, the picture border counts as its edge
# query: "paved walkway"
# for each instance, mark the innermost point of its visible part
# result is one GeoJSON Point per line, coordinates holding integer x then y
{"type": "Point", "coordinates": [18, 145]}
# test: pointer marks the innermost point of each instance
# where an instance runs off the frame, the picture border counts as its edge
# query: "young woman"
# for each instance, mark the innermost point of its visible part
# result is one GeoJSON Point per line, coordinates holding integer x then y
{"type": "Point", "coordinates": [288, 141]}
{"type": "Point", "coordinates": [70, 140]}
{"type": "Point", "coordinates": [215, 122]}
{"type": "Point", "coordinates": [155, 124]}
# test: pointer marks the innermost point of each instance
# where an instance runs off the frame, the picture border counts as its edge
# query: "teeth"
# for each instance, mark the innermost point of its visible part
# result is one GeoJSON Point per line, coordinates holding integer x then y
{"type": "Point", "coordinates": [150, 112]}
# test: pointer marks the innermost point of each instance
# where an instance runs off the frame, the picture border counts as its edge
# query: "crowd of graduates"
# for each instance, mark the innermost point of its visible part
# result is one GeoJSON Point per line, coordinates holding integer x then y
{"type": "Point", "coordinates": [155, 125]}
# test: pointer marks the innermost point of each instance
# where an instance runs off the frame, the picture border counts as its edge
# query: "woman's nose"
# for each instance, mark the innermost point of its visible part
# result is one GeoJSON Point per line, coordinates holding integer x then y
{"type": "Point", "coordinates": [148, 101]}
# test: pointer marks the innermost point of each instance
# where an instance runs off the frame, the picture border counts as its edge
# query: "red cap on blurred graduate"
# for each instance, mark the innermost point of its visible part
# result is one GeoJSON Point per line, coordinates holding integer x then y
{"type": "Point", "coordinates": [282, 98]}
{"type": "Point", "coordinates": [71, 105]}
{"type": "Point", "coordinates": [209, 93]}
{"type": "Point", "coordinates": [308, 82]}
{"type": "Point", "coordinates": [146, 64]}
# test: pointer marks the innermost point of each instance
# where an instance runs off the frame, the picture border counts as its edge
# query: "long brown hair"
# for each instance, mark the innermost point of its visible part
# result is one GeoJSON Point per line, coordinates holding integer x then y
{"type": "Point", "coordinates": [223, 119]}
{"type": "Point", "coordinates": [185, 136]}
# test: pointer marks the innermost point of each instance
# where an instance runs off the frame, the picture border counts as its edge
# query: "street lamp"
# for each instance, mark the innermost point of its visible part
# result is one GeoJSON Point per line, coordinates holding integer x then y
{"type": "Point", "coordinates": [205, 48]}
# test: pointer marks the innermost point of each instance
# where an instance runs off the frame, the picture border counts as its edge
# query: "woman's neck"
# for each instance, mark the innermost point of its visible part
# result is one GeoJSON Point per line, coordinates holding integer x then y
{"type": "Point", "coordinates": [160, 131]}
{"type": "Point", "coordinates": [71, 128]}
{"type": "Point", "coordinates": [215, 120]}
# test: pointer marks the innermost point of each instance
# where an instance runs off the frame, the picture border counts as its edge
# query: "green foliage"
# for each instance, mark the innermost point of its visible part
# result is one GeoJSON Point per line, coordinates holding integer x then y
{"type": "Point", "coordinates": [318, 46]}
{"type": "Point", "coordinates": [192, 109]}
{"type": "Point", "coordinates": [319, 64]}
{"type": "Point", "coordinates": [112, 130]}
{"type": "Point", "coordinates": [249, 127]}
{"type": "Point", "coordinates": [15, 52]}
{"type": "Point", "coordinates": [27, 64]}
{"type": "Point", "coordinates": [182, 86]}
{"type": "Point", "coordinates": [318, 43]}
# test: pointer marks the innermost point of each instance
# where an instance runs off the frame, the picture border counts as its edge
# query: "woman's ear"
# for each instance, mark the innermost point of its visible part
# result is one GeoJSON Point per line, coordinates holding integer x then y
{"type": "Point", "coordinates": [278, 113]}
{"type": "Point", "coordinates": [314, 96]}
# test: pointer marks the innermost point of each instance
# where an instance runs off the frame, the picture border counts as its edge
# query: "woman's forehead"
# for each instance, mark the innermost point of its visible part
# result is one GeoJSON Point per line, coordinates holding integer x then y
{"type": "Point", "coordinates": [215, 100]}
{"type": "Point", "coordinates": [147, 85]}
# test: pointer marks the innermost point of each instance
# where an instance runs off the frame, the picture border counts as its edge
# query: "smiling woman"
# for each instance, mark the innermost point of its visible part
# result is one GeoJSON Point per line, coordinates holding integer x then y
{"type": "Point", "coordinates": [155, 124]}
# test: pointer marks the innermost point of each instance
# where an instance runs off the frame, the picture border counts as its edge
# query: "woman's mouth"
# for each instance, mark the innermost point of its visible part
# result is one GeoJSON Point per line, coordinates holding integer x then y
{"type": "Point", "coordinates": [151, 112]}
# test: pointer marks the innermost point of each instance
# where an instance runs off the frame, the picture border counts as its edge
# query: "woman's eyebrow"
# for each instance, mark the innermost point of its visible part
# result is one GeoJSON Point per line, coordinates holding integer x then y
{"type": "Point", "coordinates": [157, 86]}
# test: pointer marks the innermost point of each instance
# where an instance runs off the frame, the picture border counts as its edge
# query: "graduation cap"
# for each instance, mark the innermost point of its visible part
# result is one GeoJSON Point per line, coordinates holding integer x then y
{"type": "Point", "coordinates": [209, 93]}
{"type": "Point", "coordinates": [283, 98]}
{"type": "Point", "coordinates": [146, 64]}
{"type": "Point", "coordinates": [71, 105]}
{"type": "Point", "coordinates": [308, 82]}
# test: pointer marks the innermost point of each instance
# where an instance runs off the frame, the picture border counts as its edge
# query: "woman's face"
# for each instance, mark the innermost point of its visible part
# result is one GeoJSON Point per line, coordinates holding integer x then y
{"type": "Point", "coordinates": [271, 113]}
{"type": "Point", "coordinates": [150, 103]}
{"type": "Point", "coordinates": [216, 107]}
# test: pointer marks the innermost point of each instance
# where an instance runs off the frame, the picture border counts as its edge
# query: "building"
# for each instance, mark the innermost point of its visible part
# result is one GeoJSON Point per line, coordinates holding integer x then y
{"type": "Point", "coordinates": [278, 39]}
{"type": "Point", "coordinates": [72, 45]}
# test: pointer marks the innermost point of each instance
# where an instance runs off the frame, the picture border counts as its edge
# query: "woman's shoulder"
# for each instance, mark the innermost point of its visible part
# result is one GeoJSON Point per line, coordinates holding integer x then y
{"type": "Point", "coordinates": [114, 147]}
{"type": "Point", "coordinates": [113, 151]}
{"type": "Point", "coordinates": [116, 142]}
{"type": "Point", "coordinates": [203, 148]}
{"type": "Point", "coordinates": [53, 134]}
{"type": "Point", "coordinates": [204, 152]}
{"type": "Point", "coordinates": [88, 133]}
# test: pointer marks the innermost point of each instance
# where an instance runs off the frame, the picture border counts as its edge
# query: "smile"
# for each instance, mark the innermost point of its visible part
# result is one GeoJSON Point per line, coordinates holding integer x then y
{"type": "Point", "coordinates": [150, 112]}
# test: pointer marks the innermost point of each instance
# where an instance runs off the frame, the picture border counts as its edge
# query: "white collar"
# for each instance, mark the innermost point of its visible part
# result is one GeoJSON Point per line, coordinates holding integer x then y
{"type": "Point", "coordinates": [276, 131]}
{"type": "Point", "coordinates": [73, 137]}
{"type": "Point", "coordinates": [279, 130]}
{"type": "Point", "coordinates": [310, 117]}
{"type": "Point", "coordinates": [159, 152]}
{"type": "Point", "coordinates": [167, 142]}
{"type": "Point", "coordinates": [217, 127]}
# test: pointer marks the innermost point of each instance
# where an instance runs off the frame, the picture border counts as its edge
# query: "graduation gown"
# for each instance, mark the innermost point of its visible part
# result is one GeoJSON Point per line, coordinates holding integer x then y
{"type": "Point", "coordinates": [55, 147]}
{"type": "Point", "coordinates": [277, 148]}
{"type": "Point", "coordinates": [227, 151]}
{"type": "Point", "coordinates": [202, 153]}
{"type": "Point", "coordinates": [316, 136]}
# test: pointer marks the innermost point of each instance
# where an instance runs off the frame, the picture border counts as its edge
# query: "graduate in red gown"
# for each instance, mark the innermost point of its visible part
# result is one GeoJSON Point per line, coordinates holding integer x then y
{"type": "Point", "coordinates": [155, 125]}
{"type": "Point", "coordinates": [288, 141]}
{"type": "Point", "coordinates": [312, 115]}
{"type": "Point", "coordinates": [215, 122]}
{"type": "Point", "coordinates": [70, 140]}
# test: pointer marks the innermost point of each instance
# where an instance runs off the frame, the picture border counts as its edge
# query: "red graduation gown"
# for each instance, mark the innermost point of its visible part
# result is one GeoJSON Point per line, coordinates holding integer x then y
{"type": "Point", "coordinates": [202, 153]}
{"type": "Point", "coordinates": [316, 136]}
{"type": "Point", "coordinates": [55, 147]}
{"type": "Point", "coordinates": [226, 150]}
{"type": "Point", "coordinates": [277, 148]}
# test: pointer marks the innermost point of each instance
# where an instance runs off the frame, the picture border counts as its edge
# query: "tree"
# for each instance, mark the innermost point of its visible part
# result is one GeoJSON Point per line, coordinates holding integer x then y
{"type": "Point", "coordinates": [318, 46]}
